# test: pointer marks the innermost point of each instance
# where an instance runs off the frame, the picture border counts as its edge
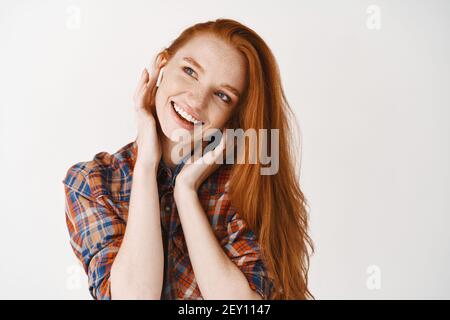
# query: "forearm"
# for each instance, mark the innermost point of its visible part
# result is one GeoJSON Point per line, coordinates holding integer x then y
{"type": "Point", "coordinates": [217, 276]}
{"type": "Point", "coordinates": [138, 269]}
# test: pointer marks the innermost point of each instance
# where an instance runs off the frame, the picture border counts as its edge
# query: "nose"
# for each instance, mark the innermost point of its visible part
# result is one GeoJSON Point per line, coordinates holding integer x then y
{"type": "Point", "coordinates": [197, 98]}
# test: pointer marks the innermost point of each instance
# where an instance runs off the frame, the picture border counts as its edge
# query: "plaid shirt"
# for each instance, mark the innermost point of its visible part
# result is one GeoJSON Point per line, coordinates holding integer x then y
{"type": "Point", "coordinates": [97, 195]}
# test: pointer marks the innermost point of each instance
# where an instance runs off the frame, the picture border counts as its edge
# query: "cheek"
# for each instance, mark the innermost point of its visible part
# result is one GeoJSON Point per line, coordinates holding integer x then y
{"type": "Point", "coordinates": [159, 102]}
{"type": "Point", "coordinates": [170, 86]}
{"type": "Point", "coordinates": [162, 111]}
{"type": "Point", "coordinates": [219, 118]}
{"type": "Point", "coordinates": [162, 97]}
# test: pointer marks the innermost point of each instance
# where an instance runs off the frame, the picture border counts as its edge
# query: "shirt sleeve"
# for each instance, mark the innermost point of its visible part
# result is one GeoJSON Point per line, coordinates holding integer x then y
{"type": "Point", "coordinates": [96, 233]}
{"type": "Point", "coordinates": [243, 249]}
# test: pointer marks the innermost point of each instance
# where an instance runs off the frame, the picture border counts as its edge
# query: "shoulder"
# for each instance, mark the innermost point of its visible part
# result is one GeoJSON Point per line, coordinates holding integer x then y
{"type": "Point", "coordinates": [106, 174]}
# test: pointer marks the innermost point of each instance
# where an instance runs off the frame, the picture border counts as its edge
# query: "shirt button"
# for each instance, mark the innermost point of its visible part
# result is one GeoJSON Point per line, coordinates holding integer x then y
{"type": "Point", "coordinates": [167, 208]}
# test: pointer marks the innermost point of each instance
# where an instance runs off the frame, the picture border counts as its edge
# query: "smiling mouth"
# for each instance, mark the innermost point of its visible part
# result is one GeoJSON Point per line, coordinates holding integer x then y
{"type": "Point", "coordinates": [183, 115]}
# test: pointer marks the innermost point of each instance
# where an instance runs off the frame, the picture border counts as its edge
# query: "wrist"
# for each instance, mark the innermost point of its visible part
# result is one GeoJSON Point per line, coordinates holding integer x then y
{"type": "Point", "coordinates": [145, 167]}
{"type": "Point", "coordinates": [183, 191]}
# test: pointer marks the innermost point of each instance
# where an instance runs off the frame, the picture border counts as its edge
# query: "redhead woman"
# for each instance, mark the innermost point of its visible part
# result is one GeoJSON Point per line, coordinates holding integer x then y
{"type": "Point", "coordinates": [148, 226]}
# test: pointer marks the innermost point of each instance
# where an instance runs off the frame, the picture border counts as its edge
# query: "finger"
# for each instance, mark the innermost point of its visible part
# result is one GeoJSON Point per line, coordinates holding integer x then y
{"type": "Point", "coordinates": [151, 81]}
{"type": "Point", "coordinates": [222, 143]}
{"type": "Point", "coordinates": [228, 147]}
{"type": "Point", "coordinates": [216, 156]}
{"type": "Point", "coordinates": [142, 81]}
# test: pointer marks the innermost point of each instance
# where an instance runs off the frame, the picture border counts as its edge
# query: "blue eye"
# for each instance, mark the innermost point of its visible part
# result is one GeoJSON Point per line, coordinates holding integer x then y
{"type": "Point", "coordinates": [228, 99]}
{"type": "Point", "coordinates": [188, 70]}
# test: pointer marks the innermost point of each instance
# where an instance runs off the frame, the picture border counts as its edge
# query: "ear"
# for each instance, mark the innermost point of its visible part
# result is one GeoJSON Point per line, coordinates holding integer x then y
{"type": "Point", "coordinates": [159, 62]}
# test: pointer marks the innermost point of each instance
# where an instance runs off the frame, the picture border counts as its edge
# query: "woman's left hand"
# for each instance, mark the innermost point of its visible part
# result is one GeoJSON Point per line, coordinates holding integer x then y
{"type": "Point", "coordinates": [195, 172]}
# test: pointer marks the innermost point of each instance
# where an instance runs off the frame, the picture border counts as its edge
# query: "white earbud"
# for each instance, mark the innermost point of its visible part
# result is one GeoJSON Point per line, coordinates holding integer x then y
{"type": "Point", "coordinates": [160, 76]}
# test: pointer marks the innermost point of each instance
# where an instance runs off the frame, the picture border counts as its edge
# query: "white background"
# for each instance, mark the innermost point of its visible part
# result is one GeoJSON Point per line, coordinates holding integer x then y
{"type": "Point", "coordinates": [372, 104]}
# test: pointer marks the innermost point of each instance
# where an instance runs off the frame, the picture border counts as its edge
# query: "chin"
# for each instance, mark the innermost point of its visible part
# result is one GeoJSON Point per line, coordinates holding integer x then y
{"type": "Point", "coordinates": [169, 128]}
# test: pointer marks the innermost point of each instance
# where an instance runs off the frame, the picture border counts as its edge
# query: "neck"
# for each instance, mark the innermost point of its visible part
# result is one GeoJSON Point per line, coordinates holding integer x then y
{"type": "Point", "coordinates": [166, 148]}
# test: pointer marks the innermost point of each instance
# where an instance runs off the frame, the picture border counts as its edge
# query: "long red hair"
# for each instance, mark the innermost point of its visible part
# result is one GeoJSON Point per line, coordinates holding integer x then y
{"type": "Point", "coordinates": [273, 206]}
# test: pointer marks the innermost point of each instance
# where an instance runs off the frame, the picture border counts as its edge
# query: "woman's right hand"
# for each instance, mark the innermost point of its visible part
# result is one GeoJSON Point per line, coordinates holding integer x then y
{"type": "Point", "coordinates": [148, 143]}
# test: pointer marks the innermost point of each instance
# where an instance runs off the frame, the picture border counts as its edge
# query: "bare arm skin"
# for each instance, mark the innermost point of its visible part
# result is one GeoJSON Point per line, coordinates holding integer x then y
{"type": "Point", "coordinates": [217, 276]}
{"type": "Point", "coordinates": [138, 269]}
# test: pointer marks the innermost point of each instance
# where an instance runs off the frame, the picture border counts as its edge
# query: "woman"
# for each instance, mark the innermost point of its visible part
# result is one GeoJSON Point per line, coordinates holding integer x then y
{"type": "Point", "coordinates": [146, 226]}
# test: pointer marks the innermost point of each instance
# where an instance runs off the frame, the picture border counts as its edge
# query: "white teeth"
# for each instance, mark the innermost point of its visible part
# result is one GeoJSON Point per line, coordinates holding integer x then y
{"type": "Point", "coordinates": [185, 115]}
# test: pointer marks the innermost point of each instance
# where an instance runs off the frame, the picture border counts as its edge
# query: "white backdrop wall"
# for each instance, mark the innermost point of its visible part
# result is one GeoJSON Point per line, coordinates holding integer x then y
{"type": "Point", "coordinates": [368, 81]}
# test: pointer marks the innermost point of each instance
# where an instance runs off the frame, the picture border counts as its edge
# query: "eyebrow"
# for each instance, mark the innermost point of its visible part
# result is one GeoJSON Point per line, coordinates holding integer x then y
{"type": "Point", "coordinates": [198, 66]}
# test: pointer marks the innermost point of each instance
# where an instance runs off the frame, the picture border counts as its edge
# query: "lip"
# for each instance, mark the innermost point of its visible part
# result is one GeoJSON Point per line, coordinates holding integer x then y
{"type": "Point", "coordinates": [188, 109]}
{"type": "Point", "coordinates": [182, 123]}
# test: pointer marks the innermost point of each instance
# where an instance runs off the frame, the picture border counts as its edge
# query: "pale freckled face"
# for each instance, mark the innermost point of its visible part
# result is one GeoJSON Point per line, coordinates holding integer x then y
{"type": "Point", "coordinates": [200, 78]}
